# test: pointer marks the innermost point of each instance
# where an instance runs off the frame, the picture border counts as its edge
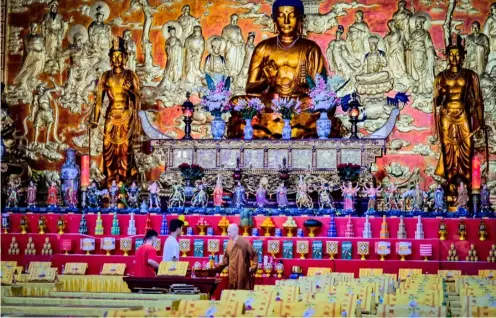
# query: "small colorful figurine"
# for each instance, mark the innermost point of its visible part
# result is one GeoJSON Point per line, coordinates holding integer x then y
{"type": "Point", "coordinates": [178, 197]}
{"type": "Point", "coordinates": [391, 198]}
{"type": "Point", "coordinates": [485, 200]}
{"type": "Point", "coordinates": [153, 201]}
{"type": "Point", "coordinates": [93, 195]}
{"type": "Point", "coordinates": [123, 194]}
{"type": "Point", "coordinates": [218, 192]}
{"type": "Point", "coordinates": [349, 192]}
{"type": "Point", "coordinates": [303, 200]}
{"type": "Point", "coordinates": [133, 195]}
{"type": "Point", "coordinates": [70, 195]}
{"type": "Point", "coordinates": [239, 196]}
{"type": "Point", "coordinates": [200, 196]}
{"type": "Point", "coordinates": [439, 202]}
{"type": "Point", "coordinates": [261, 196]}
{"type": "Point", "coordinates": [418, 198]}
{"type": "Point", "coordinates": [282, 196]}
{"type": "Point", "coordinates": [31, 195]}
{"type": "Point", "coordinates": [372, 194]}
{"type": "Point", "coordinates": [462, 199]}
{"type": "Point", "coordinates": [325, 197]}
{"type": "Point", "coordinates": [13, 193]}
{"type": "Point", "coordinates": [114, 195]}
{"type": "Point", "coordinates": [53, 196]}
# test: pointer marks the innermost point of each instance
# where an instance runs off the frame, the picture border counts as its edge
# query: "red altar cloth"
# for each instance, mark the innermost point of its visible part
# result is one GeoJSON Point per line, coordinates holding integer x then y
{"type": "Point", "coordinates": [391, 265]}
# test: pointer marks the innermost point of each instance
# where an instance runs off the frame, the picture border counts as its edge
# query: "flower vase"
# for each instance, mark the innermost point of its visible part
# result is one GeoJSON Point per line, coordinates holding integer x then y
{"type": "Point", "coordinates": [248, 129]}
{"type": "Point", "coordinates": [218, 127]}
{"type": "Point", "coordinates": [323, 126]}
{"type": "Point", "coordinates": [286, 130]}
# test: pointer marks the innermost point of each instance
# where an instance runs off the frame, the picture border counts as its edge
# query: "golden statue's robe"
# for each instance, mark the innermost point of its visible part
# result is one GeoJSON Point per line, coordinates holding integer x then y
{"type": "Point", "coordinates": [239, 257]}
{"type": "Point", "coordinates": [460, 116]}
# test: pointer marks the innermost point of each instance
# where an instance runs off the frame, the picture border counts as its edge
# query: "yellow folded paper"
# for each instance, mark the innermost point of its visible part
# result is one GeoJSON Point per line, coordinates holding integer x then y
{"type": "Point", "coordinates": [173, 269]}
{"type": "Point", "coordinates": [209, 308]}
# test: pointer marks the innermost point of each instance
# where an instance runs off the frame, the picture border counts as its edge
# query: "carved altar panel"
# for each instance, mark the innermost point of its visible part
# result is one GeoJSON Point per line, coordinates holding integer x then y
{"type": "Point", "coordinates": [182, 155]}
{"type": "Point", "coordinates": [254, 158]}
{"type": "Point", "coordinates": [353, 156]}
{"type": "Point", "coordinates": [228, 158]}
{"type": "Point", "coordinates": [302, 158]}
{"type": "Point", "coordinates": [206, 158]}
{"type": "Point", "coordinates": [275, 157]}
{"type": "Point", "coordinates": [326, 159]}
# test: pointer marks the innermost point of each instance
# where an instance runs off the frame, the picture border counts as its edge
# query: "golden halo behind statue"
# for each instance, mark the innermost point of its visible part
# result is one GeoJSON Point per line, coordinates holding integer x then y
{"type": "Point", "coordinates": [77, 28]}
{"type": "Point", "coordinates": [176, 25]}
{"type": "Point", "coordinates": [427, 23]}
{"type": "Point", "coordinates": [222, 45]}
{"type": "Point", "coordinates": [104, 8]}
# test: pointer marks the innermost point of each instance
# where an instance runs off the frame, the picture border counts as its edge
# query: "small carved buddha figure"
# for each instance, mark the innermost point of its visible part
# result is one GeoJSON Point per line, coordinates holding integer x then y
{"type": "Point", "coordinates": [374, 78]}
{"type": "Point", "coordinates": [279, 68]}
{"type": "Point", "coordinates": [215, 63]}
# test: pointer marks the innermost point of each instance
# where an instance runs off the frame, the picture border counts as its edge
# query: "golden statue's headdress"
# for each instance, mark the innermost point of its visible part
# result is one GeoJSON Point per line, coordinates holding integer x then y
{"type": "Point", "coordinates": [118, 45]}
{"type": "Point", "coordinates": [456, 42]}
{"type": "Point", "coordinates": [289, 3]}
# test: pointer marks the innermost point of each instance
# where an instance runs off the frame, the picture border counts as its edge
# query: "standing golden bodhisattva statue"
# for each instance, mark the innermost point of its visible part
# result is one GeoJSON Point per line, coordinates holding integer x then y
{"type": "Point", "coordinates": [121, 121]}
{"type": "Point", "coordinates": [458, 115]}
{"type": "Point", "coordinates": [279, 67]}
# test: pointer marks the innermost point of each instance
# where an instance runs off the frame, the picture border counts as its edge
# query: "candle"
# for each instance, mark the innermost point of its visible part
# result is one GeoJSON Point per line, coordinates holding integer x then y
{"type": "Point", "coordinates": [476, 173]}
{"type": "Point", "coordinates": [85, 171]}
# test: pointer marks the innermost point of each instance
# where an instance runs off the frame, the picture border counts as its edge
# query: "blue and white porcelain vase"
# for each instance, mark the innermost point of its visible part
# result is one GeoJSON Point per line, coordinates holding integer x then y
{"type": "Point", "coordinates": [323, 126]}
{"type": "Point", "coordinates": [218, 127]}
{"type": "Point", "coordinates": [248, 129]}
{"type": "Point", "coordinates": [286, 130]}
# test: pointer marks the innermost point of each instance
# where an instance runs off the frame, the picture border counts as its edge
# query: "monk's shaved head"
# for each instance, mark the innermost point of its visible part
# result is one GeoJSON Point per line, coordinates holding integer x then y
{"type": "Point", "coordinates": [232, 230]}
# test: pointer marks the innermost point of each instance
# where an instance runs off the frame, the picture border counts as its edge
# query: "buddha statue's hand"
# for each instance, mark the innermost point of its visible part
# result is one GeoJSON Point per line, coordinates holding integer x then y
{"type": "Point", "coordinates": [127, 85]}
{"type": "Point", "coordinates": [270, 70]}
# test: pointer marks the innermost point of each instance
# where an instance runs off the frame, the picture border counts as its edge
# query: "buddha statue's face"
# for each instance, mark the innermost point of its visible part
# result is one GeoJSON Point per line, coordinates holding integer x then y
{"type": "Point", "coordinates": [186, 10]}
{"type": "Point", "coordinates": [419, 24]}
{"type": "Point", "coordinates": [234, 19]}
{"type": "Point", "coordinates": [455, 58]}
{"type": "Point", "coordinates": [118, 59]}
{"type": "Point", "coordinates": [34, 28]}
{"type": "Point", "coordinates": [287, 20]}
{"type": "Point", "coordinates": [172, 33]}
{"type": "Point", "coordinates": [216, 47]}
{"type": "Point", "coordinates": [493, 9]}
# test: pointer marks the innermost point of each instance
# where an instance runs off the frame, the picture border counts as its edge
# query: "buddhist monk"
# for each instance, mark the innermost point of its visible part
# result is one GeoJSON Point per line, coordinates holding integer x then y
{"type": "Point", "coordinates": [241, 259]}
{"type": "Point", "coordinates": [279, 67]}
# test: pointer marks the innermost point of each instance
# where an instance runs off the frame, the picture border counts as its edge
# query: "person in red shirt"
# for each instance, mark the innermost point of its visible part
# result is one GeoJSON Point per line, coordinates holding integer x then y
{"type": "Point", "coordinates": [144, 260]}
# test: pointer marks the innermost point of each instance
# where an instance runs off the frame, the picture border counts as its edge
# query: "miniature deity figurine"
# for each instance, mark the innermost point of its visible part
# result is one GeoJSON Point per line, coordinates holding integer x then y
{"type": "Point", "coordinates": [462, 198]}
{"type": "Point", "coordinates": [349, 192]}
{"type": "Point", "coordinates": [240, 82]}
{"type": "Point", "coordinates": [485, 202]}
{"type": "Point", "coordinates": [13, 193]}
{"type": "Point", "coordinates": [372, 195]}
{"type": "Point", "coordinates": [325, 197]}
{"type": "Point", "coordinates": [130, 47]}
{"type": "Point", "coordinates": [133, 195]}
{"type": "Point", "coordinates": [439, 202]}
{"type": "Point", "coordinates": [239, 196]}
{"type": "Point", "coordinates": [53, 195]}
{"type": "Point", "coordinates": [391, 198]}
{"type": "Point", "coordinates": [123, 194]}
{"type": "Point", "coordinates": [114, 195]}
{"type": "Point", "coordinates": [178, 197]}
{"type": "Point", "coordinates": [490, 28]}
{"type": "Point", "coordinates": [417, 196]}
{"type": "Point", "coordinates": [458, 110]}
{"type": "Point", "coordinates": [282, 196]}
{"type": "Point", "coordinates": [477, 49]}
{"type": "Point", "coordinates": [93, 195]}
{"type": "Point", "coordinates": [31, 195]}
{"type": "Point", "coordinates": [261, 196]}
{"type": "Point", "coordinates": [303, 200]}
{"type": "Point", "coordinates": [153, 200]}
{"type": "Point", "coordinates": [100, 35]}
{"type": "Point", "coordinates": [402, 18]}
{"type": "Point", "coordinates": [200, 196]}
{"type": "Point", "coordinates": [218, 192]}
{"type": "Point", "coordinates": [42, 113]}
{"type": "Point", "coordinates": [421, 58]}
{"type": "Point", "coordinates": [70, 195]}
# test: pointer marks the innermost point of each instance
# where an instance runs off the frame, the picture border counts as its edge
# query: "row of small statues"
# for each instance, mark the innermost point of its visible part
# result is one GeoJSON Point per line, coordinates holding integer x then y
{"type": "Point", "coordinates": [128, 196]}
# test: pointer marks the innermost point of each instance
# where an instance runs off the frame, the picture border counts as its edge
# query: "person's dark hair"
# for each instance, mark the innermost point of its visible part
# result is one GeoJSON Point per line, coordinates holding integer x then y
{"type": "Point", "coordinates": [149, 234]}
{"type": "Point", "coordinates": [175, 224]}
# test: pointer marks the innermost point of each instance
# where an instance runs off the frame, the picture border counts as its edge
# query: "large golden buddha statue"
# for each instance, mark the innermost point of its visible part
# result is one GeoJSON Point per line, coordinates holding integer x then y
{"type": "Point", "coordinates": [458, 115]}
{"type": "Point", "coordinates": [122, 89]}
{"type": "Point", "coordinates": [279, 67]}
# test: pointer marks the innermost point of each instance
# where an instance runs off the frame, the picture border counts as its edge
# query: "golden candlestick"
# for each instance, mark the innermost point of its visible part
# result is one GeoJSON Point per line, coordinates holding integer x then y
{"type": "Point", "coordinates": [224, 229]}
{"type": "Point", "coordinates": [442, 234]}
{"type": "Point", "coordinates": [267, 229]}
{"type": "Point", "coordinates": [202, 229]}
{"type": "Point", "coordinates": [61, 225]}
{"type": "Point", "coordinates": [245, 230]}
{"type": "Point", "coordinates": [289, 230]}
{"type": "Point", "coordinates": [24, 224]}
{"type": "Point", "coordinates": [42, 225]}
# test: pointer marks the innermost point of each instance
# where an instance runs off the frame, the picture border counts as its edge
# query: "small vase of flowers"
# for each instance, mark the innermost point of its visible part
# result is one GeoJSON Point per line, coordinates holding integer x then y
{"type": "Point", "coordinates": [248, 110]}
{"type": "Point", "coordinates": [216, 101]}
{"type": "Point", "coordinates": [286, 107]}
{"type": "Point", "coordinates": [324, 99]}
